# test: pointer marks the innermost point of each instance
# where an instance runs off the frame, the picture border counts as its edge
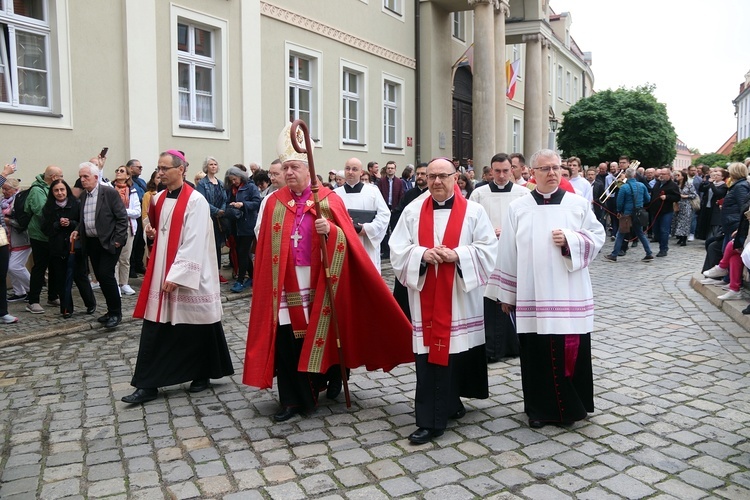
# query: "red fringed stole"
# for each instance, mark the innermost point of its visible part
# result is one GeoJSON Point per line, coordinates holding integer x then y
{"type": "Point", "coordinates": [436, 296]}
{"type": "Point", "coordinates": [173, 242]}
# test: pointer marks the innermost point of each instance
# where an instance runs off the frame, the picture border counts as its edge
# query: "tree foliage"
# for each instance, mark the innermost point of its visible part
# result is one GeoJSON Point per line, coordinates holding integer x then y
{"type": "Point", "coordinates": [712, 160]}
{"type": "Point", "coordinates": [741, 150]}
{"type": "Point", "coordinates": [612, 123]}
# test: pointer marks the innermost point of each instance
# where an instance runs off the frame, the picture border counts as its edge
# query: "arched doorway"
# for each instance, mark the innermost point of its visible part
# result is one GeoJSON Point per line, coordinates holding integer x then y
{"type": "Point", "coordinates": [462, 119]}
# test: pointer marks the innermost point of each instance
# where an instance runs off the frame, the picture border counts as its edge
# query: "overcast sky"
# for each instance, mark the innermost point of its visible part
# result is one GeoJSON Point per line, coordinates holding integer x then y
{"type": "Point", "coordinates": [696, 52]}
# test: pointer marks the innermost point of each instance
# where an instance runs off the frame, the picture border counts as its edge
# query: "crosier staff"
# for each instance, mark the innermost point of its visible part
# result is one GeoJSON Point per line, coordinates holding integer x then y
{"type": "Point", "coordinates": [314, 186]}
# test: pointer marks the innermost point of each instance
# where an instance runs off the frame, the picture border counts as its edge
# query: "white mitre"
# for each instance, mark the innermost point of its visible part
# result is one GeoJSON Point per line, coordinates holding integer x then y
{"type": "Point", "coordinates": [284, 146]}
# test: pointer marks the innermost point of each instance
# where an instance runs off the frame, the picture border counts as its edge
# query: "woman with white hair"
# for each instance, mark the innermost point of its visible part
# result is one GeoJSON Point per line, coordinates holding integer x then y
{"type": "Point", "coordinates": [5, 318]}
{"type": "Point", "coordinates": [212, 189]}
{"type": "Point", "coordinates": [20, 246]}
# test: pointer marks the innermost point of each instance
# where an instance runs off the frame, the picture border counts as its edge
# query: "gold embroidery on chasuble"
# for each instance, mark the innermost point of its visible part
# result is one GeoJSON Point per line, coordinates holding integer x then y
{"type": "Point", "coordinates": [277, 225]}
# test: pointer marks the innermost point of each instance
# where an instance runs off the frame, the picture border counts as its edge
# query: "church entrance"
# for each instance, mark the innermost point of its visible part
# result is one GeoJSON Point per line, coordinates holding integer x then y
{"type": "Point", "coordinates": [462, 114]}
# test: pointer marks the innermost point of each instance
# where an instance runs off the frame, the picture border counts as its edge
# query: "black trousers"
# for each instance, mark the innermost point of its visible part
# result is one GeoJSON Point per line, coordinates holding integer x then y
{"type": "Point", "coordinates": [104, 269]}
{"type": "Point", "coordinates": [244, 262]}
{"type": "Point", "coordinates": [4, 258]}
{"type": "Point", "coordinates": [80, 278]}
{"type": "Point", "coordinates": [296, 389]}
{"type": "Point", "coordinates": [40, 252]}
{"type": "Point", "coordinates": [139, 248]}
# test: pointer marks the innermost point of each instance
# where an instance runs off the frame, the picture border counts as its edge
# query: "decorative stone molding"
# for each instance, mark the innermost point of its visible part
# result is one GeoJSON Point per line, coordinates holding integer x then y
{"type": "Point", "coordinates": [503, 8]}
{"type": "Point", "coordinates": [494, 3]}
{"type": "Point", "coordinates": [289, 17]}
{"type": "Point", "coordinates": [533, 37]}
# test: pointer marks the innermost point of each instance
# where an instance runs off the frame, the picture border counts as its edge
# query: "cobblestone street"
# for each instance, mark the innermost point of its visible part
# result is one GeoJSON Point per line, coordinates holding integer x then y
{"type": "Point", "coordinates": [672, 416]}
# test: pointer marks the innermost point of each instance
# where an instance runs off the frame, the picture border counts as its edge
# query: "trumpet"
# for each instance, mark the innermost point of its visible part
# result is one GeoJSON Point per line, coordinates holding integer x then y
{"type": "Point", "coordinates": [617, 183]}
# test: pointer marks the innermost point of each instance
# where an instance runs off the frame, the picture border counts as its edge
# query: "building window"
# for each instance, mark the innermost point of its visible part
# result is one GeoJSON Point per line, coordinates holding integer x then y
{"type": "Point", "coordinates": [575, 89]}
{"type": "Point", "coordinates": [303, 95]}
{"type": "Point", "coordinates": [352, 113]}
{"type": "Point", "coordinates": [24, 55]}
{"type": "Point", "coordinates": [196, 69]}
{"type": "Point", "coordinates": [392, 113]}
{"type": "Point", "coordinates": [459, 25]}
{"type": "Point", "coordinates": [567, 87]}
{"type": "Point", "coordinates": [516, 135]}
{"type": "Point", "coordinates": [559, 82]}
{"type": "Point", "coordinates": [550, 71]}
{"type": "Point", "coordinates": [393, 6]}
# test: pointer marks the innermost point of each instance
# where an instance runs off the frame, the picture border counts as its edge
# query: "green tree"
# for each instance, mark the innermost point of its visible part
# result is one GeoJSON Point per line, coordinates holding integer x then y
{"type": "Point", "coordinates": [741, 150]}
{"type": "Point", "coordinates": [712, 160]}
{"type": "Point", "coordinates": [619, 122]}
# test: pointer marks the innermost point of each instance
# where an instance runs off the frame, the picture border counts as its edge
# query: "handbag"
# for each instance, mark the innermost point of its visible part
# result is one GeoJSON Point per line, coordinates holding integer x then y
{"type": "Point", "coordinates": [625, 223]}
{"type": "Point", "coordinates": [695, 203]}
{"type": "Point", "coordinates": [641, 217]}
{"type": "Point", "coordinates": [3, 237]}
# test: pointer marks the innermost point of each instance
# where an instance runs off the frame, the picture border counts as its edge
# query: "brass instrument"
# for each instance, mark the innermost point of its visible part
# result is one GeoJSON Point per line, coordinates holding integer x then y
{"type": "Point", "coordinates": [617, 183]}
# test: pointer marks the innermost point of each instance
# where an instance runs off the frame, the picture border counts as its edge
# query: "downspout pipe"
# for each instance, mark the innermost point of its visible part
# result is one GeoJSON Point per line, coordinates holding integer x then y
{"type": "Point", "coordinates": [417, 84]}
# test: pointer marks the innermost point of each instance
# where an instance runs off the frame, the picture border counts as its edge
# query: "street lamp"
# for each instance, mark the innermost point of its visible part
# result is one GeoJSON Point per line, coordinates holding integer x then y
{"type": "Point", "coordinates": [552, 129]}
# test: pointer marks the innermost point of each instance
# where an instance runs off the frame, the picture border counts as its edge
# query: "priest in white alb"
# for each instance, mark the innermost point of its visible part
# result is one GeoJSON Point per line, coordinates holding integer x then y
{"type": "Point", "coordinates": [548, 241]}
{"type": "Point", "coordinates": [181, 338]}
{"type": "Point", "coordinates": [443, 250]}
{"type": "Point", "coordinates": [501, 340]}
{"type": "Point", "coordinates": [365, 200]}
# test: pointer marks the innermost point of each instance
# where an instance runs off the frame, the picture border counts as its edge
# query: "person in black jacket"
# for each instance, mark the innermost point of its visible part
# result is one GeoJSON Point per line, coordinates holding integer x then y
{"type": "Point", "coordinates": [60, 217]}
{"type": "Point", "coordinates": [711, 190]}
{"type": "Point", "coordinates": [737, 195]}
{"type": "Point", "coordinates": [664, 193]}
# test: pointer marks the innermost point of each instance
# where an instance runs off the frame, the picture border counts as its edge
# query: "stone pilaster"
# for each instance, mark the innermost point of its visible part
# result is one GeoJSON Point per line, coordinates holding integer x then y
{"type": "Point", "coordinates": [546, 45]}
{"type": "Point", "coordinates": [501, 118]}
{"type": "Point", "coordinates": [484, 88]}
{"type": "Point", "coordinates": [533, 112]}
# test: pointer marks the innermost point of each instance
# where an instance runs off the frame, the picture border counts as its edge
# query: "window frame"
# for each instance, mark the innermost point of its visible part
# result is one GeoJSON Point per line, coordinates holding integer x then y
{"type": "Point", "coordinates": [458, 25]}
{"type": "Point", "coordinates": [559, 82]}
{"type": "Point", "coordinates": [396, 11]}
{"type": "Point", "coordinates": [315, 59]}
{"type": "Point", "coordinates": [360, 72]}
{"type": "Point", "coordinates": [567, 87]}
{"type": "Point", "coordinates": [516, 134]}
{"type": "Point", "coordinates": [219, 127]}
{"type": "Point", "coordinates": [575, 90]}
{"type": "Point", "coordinates": [195, 61]}
{"type": "Point", "coordinates": [398, 106]}
{"type": "Point", "coordinates": [517, 56]}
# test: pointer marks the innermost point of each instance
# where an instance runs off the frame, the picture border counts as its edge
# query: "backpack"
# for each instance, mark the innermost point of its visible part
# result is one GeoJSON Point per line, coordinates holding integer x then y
{"type": "Point", "coordinates": [21, 215]}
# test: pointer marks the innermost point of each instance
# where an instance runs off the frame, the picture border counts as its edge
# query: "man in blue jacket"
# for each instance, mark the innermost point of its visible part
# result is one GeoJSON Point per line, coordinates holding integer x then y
{"type": "Point", "coordinates": [632, 195]}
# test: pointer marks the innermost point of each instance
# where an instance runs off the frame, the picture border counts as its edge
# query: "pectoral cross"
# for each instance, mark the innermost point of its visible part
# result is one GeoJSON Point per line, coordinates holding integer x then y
{"type": "Point", "coordinates": [164, 230]}
{"type": "Point", "coordinates": [296, 237]}
{"type": "Point", "coordinates": [440, 345]}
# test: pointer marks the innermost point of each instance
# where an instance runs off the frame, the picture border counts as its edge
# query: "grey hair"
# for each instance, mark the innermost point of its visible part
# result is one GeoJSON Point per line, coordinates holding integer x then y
{"type": "Point", "coordinates": [205, 163]}
{"type": "Point", "coordinates": [93, 169]}
{"type": "Point", "coordinates": [543, 153]}
{"type": "Point", "coordinates": [237, 172]}
{"type": "Point", "coordinates": [629, 173]}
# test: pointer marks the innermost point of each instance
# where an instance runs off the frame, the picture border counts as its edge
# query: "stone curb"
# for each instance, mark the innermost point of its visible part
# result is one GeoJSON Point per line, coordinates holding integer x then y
{"type": "Point", "coordinates": [127, 317]}
{"type": "Point", "coordinates": [733, 308]}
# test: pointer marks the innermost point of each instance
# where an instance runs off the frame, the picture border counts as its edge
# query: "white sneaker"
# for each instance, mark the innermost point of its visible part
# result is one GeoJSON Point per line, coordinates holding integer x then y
{"type": "Point", "coordinates": [716, 272]}
{"type": "Point", "coordinates": [95, 285]}
{"type": "Point", "coordinates": [691, 237]}
{"type": "Point", "coordinates": [127, 290]}
{"type": "Point", "coordinates": [730, 295]}
{"type": "Point", "coordinates": [710, 281]}
{"type": "Point", "coordinates": [8, 319]}
{"type": "Point", "coordinates": [35, 309]}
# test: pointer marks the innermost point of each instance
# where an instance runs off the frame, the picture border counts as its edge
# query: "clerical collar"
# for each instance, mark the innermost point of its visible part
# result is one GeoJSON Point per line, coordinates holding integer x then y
{"type": "Point", "coordinates": [497, 188]}
{"type": "Point", "coordinates": [553, 198]}
{"type": "Point", "coordinates": [357, 188]}
{"type": "Point", "coordinates": [304, 195]}
{"type": "Point", "coordinates": [447, 204]}
{"type": "Point", "coordinates": [174, 194]}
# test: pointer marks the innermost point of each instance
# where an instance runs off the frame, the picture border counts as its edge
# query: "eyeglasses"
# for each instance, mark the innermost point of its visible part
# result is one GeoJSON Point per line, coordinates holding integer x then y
{"type": "Point", "coordinates": [164, 169]}
{"type": "Point", "coordinates": [442, 177]}
{"type": "Point", "coordinates": [121, 171]}
{"type": "Point", "coordinates": [554, 168]}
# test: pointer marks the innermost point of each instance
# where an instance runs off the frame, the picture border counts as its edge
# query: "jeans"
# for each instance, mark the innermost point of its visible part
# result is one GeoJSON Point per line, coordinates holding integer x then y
{"type": "Point", "coordinates": [662, 227]}
{"type": "Point", "coordinates": [638, 230]}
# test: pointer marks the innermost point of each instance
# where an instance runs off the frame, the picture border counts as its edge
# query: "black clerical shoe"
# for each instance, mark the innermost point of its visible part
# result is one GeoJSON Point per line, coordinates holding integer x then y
{"type": "Point", "coordinates": [286, 413]}
{"type": "Point", "coordinates": [198, 385]}
{"type": "Point", "coordinates": [141, 396]}
{"type": "Point", "coordinates": [67, 315]}
{"type": "Point", "coordinates": [334, 387]}
{"type": "Point", "coordinates": [536, 424]}
{"type": "Point", "coordinates": [460, 413]}
{"type": "Point", "coordinates": [113, 321]}
{"type": "Point", "coordinates": [103, 319]}
{"type": "Point", "coordinates": [91, 309]}
{"type": "Point", "coordinates": [424, 435]}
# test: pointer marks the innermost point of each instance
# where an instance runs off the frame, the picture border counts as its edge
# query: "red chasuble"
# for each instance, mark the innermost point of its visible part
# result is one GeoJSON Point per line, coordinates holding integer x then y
{"type": "Point", "coordinates": [374, 331]}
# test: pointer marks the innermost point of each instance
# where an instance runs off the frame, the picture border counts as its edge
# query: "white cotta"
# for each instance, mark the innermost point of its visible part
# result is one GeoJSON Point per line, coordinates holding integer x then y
{"type": "Point", "coordinates": [197, 299]}
{"type": "Point", "coordinates": [551, 292]}
{"type": "Point", "coordinates": [476, 251]}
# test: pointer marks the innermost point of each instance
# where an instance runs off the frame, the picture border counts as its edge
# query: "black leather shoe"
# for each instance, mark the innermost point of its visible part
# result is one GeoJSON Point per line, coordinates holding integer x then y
{"type": "Point", "coordinates": [198, 385]}
{"type": "Point", "coordinates": [286, 413]}
{"type": "Point", "coordinates": [746, 310]}
{"type": "Point", "coordinates": [334, 387]}
{"type": "Point", "coordinates": [113, 321]}
{"type": "Point", "coordinates": [536, 424]}
{"type": "Point", "coordinates": [67, 315]}
{"type": "Point", "coordinates": [460, 413]}
{"type": "Point", "coordinates": [103, 319]}
{"type": "Point", "coordinates": [661, 254]}
{"type": "Point", "coordinates": [91, 309]}
{"type": "Point", "coordinates": [423, 435]}
{"type": "Point", "coordinates": [141, 396]}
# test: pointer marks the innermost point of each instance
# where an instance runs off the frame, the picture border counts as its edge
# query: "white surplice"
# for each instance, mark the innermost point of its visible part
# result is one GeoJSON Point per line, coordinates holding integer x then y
{"type": "Point", "coordinates": [476, 252]}
{"type": "Point", "coordinates": [582, 187]}
{"type": "Point", "coordinates": [552, 293]}
{"type": "Point", "coordinates": [197, 299]}
{"type": "Point", "coordinates": [372, 233]}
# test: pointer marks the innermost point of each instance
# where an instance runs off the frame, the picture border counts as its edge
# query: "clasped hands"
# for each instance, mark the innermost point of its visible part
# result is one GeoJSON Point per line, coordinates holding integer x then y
{"type": "Point", "coordinates": [440, 254]}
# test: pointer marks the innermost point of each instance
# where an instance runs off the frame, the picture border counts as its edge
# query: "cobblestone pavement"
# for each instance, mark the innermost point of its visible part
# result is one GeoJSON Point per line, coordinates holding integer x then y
{"type": "Point", "coordinates": [671, 373]}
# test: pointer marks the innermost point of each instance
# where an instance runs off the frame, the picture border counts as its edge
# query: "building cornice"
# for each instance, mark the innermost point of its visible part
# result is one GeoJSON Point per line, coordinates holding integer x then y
{"type": "Point", "coordinates": [286, 16]}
